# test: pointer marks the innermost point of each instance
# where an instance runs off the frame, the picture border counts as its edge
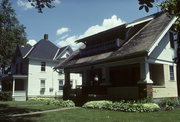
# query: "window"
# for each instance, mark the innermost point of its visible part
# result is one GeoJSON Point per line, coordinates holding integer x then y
{"type": "Point", "coordinates": [43, 66]}
{"type": "Point", "coordinates": [171, 71]}
{"type": "Point", "coordinates": [60, 84]}
{"type": "Point", "coordinates": [171, 36]}
{"type": "Point", "coordinates": [42, 87]}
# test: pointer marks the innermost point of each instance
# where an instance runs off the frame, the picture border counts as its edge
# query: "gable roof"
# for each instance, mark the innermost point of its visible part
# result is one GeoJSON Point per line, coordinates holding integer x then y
{"type": "Point", "coordinates": [24, 49]}
{"type": "Point", "coordinates": [44, 49]}
{"type": "Point", "coordinates": [139, 42]}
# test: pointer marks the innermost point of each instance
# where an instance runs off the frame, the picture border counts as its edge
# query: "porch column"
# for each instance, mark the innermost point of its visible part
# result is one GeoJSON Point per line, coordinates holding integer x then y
{"type": "Point", "coordinates": [13, 88]}
{"type": "Point", "coordinates": [145, 83]}
{"type": "Point", "coordinates": [145, 73]}
{"type": "Point", "coordinates": [67, 86]}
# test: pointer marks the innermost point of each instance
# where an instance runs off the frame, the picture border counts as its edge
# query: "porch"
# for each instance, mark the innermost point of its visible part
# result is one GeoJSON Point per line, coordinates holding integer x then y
{"type": "Point", "coordinates": [19, 87]}
{"type": "Point", "coordinates": [114, 81]}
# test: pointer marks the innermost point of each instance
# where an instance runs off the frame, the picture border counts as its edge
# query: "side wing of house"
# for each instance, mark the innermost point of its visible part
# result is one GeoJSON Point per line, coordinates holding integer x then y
{"type": "Point", "coordinates": [43, 79]}
{"type": "Point", "coordinates": [163, 66]}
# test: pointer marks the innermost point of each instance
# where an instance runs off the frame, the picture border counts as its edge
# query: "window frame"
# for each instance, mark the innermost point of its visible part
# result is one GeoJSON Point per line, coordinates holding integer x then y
{"type": "Point", "coordinates": [42, 89]}
{"type": "Point", "coordinates": [61, 85]}
{"type": "Point", "coordinates": [171, 73]}
{"type": "Point", "coordinates": [43, 66]}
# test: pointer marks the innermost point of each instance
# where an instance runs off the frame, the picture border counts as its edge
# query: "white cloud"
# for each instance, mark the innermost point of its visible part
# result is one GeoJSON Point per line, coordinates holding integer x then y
{"type": "Point", "coordinates": [57, 1]}
{"type": "Point", "coordinates": [32, 42]}
{"type": "Point", "coordinates": [24, 4]}
{"type": "Point", "coordinates": [106, 24]}
{"type": "Point", "coordinates": [65, 36]}
{"type": "Point", "coordinates": [62, 30]}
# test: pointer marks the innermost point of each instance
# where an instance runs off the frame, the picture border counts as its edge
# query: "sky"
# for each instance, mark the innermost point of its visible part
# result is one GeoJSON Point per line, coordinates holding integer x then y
{"type": "Point", "coordinates": [71, 20]}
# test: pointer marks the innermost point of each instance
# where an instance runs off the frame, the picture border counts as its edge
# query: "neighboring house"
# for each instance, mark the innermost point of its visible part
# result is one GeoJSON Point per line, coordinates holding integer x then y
{"type": "Point", "coordinates": [131, 61]}
{"type": "Point", "coordinates": [33, 73]}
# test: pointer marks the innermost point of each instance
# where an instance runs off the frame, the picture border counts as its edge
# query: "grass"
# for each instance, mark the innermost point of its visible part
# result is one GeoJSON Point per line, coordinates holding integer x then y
{"type": "Point", "coordinates": [90, 115]}
{"type": "Point", "coordinates": [11, 107]}
{"type": "Point", "coordinates": [83, 115]}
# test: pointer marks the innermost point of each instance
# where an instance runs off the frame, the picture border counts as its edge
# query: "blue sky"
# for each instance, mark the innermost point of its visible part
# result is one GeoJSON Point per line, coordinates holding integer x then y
{"type": "Point", "coordinates": [75, 19]}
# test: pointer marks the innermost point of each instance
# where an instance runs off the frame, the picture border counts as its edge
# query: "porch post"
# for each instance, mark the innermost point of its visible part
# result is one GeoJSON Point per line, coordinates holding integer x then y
{"type": "Point", "coordinates": [145, 83]}
{"type": "Point", "coordinates": [67, 86]}
{"type": "Point", "coordinates": [145, 73]}
{"type": "Point", "coordinates": [13, 88]}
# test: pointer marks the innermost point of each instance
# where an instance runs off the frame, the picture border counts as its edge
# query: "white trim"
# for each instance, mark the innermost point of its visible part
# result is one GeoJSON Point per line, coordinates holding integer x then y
{"type": "Point", "coordinates": [56, 54]}
{"type": "Point", "coordinates": [161, 35]}
{"type": "Point", "coordinates": [138, 22]}
{"type": "Point", "coordinates": [28, 52]}
{"type": "Point", "coordinates": [62, 52]}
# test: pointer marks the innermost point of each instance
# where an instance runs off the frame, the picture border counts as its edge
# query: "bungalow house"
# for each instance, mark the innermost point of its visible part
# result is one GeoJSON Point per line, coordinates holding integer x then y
{"type": "Point", "coordinates": [130, 61]}
{"type": "Point", "coordinates": [33, 73]}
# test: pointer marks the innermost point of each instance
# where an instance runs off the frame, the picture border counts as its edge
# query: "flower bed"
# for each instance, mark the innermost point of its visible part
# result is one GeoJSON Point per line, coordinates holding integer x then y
{"type": "Point", "coordinates": [123, 106]}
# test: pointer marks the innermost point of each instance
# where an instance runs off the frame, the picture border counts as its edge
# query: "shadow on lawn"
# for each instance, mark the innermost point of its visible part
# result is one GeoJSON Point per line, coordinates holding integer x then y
{"type": "Point", "coordinates": [6, 111]}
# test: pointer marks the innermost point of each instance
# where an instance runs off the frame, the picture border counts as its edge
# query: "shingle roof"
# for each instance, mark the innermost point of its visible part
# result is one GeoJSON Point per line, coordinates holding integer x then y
{"type": "Point", "coordinates": [145, 38]}
{"type": "Point", "coordinates": [139, 42]}
{"type": "Point", "coordinates": [44, 49]}
{"type": "Point", "coordinates": [24, 49]}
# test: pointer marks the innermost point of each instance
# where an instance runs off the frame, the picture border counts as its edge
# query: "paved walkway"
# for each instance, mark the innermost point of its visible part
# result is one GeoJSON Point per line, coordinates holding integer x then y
{"type": "Point", "coordinates": [38, 112]}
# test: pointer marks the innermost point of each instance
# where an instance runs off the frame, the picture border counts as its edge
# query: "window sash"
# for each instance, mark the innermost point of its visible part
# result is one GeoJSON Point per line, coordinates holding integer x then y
{"type": "Point", "coordinates": [171, 72]}
{"type": "Point", "coordinates": [42, 84]}
{"type": "Point", "coordinates": [43, 66]}
{"type": "Point", "coordinates": [61, 84]}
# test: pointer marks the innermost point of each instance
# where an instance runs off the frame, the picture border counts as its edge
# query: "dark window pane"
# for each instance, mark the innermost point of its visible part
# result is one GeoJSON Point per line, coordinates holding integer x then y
{"type": "Point", "coordinates": [171, 36]}
{"type": "Point", "coordinates": [43, 66]}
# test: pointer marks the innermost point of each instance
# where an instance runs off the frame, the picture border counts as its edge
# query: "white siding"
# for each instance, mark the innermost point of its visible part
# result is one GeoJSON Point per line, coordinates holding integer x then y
{"type": "Point", "coordinates": [170, 87]}
{"type": "Point", "coordinates": [163, 53]}
{"type": "Point", "coordinates": [50, 76]}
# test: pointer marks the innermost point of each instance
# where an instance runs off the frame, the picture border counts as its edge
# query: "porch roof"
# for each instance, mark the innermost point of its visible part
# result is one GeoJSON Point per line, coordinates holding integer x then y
{"type": "Point", "coordinates": [19, 76]}
{"type": "Point", "coordinates": [139, 44]}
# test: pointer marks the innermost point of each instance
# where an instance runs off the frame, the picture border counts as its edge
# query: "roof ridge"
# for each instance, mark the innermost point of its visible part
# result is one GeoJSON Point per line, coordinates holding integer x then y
{"type": "Point", "coordinates": [32, 48]}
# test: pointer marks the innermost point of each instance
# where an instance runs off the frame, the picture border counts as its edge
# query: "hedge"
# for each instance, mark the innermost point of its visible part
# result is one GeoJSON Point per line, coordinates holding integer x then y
{"type": "Point", "coordinates": [5, 96]}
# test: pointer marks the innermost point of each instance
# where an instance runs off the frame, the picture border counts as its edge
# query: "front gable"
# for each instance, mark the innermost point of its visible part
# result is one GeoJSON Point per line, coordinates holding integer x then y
{"type": "Point", "coordinates": [64, 53]}
{"type": "Point", "coordinates": [164, 50]}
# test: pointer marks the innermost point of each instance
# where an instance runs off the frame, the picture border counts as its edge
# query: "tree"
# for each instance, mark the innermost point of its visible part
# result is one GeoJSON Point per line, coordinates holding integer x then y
{"type": "Point", "coordinates": [11, 33]}
{"type": "Point", "coordinates": [170, 6]}
{"type": "Point", "coordinates": [40, 4]}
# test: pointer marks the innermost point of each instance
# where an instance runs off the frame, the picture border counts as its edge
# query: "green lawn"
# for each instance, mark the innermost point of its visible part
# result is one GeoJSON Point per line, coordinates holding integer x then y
{"type": "Point", "coordinates": [11, 107]}
{"type": "Point", "coordinates": [90, 115]}
{"type": "Point", "coordinates": [83, 115]}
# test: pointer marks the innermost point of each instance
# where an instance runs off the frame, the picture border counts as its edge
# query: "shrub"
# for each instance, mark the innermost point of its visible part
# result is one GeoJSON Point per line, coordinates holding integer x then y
{"type": "Point", "coordinates": [52, 101]}
{"type": "Point", "coordinates": [169, 102]}
{"type": "Point", "coordinates": [98, 104]}
{"type": "Point", "coordinates": [43, 99]}
{"type": "Point", "coordinates": [123, 106]}
{"type": "Point", "coordinates": [5, 96]}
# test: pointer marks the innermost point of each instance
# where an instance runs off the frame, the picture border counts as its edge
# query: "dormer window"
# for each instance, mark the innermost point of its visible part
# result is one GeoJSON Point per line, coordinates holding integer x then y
{"type": "Point", "coordinates": [43, 66]}
{"type": "Point", "coordinates": [171, 37]}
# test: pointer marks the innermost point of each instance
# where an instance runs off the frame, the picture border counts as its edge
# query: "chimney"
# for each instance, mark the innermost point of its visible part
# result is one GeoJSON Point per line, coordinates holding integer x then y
{"type": "Point", "coordinates": [45, 36]}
